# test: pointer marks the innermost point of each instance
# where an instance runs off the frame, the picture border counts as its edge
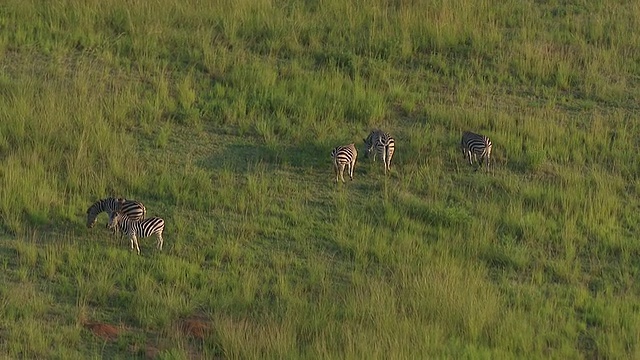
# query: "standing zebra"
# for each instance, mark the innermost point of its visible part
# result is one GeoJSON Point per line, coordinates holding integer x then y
{"type": "Point", "coordinates": [344, 156]}
{"type": "Point", "coordinates": [380, 142]}
{"type": "Point", "coordinates": [134, 228]}
{"type": "Point", "coordinates": [133, 209]}
{"type": "Point", "coordinates": [476, 145]}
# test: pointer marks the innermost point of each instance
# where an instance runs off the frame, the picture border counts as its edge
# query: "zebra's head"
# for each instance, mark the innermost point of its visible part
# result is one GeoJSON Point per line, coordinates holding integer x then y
{"type": "Point", "coordinates": [92, 215]}
{"type": "Point", "coordinates": [114, 219]}
{"type": "Point", "coordinates": [92, 218]}
{"type": "Point", "coordinates": [368, 146]}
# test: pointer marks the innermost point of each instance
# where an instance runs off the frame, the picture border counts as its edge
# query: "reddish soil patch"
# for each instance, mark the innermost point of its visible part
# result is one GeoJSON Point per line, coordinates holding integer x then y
{"type": "Point", "coordinates": [105, 331]}
{"type": "Point", "coordinates": [195, 327]}
{"type": "Point", "coordinates": [151, 352]}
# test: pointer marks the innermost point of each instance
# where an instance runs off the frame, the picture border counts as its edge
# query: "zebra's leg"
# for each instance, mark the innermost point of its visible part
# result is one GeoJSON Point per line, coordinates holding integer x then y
{"type": "Point", "coordinates": [353, 167]}
{"type": "Point", "coordinates": [336, 170]}
{"type": "Point", "coordinates": [342, 166]}
{"type": "Point", "coordinates": [387, 163]}
{"type": "Point", "coordinates": [384, 160]}
{"type": "Point", "coordinates": [389, 156]}
{"type": "Point", "coordinates": [350, 170]}
{"type": "Point", "coordinates": [135, 240]}
{"type": "Point", "coordinates": [160, 240]}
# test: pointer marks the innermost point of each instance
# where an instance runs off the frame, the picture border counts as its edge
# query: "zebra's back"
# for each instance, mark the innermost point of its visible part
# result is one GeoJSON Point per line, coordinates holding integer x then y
{"type": "Point", "coordinates": [344, 156]}
{"type": "Point", "coordinates": [380, 143]}
{"type": "Point", "coordinates": [134, 209]}
{"type": "Point", "coordinates": [148, 227]}
{"type": "Point", "coordinates": [142, 228]}
{"type": "Point", "coordinates": [474, 145]}
{"type": "Point", "coordinates": [138, 228]}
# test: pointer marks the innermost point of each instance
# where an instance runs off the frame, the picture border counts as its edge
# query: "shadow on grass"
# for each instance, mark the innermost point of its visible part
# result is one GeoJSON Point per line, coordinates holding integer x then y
{"type": "Point", "coordinates": [241, 157]}
{"type": "Point", "coordinates": [8, 252]}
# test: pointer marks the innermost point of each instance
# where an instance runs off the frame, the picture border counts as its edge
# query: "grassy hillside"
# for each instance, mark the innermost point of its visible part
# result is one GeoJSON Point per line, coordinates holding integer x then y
{"type": "Point", "coordinates": [220, 117]}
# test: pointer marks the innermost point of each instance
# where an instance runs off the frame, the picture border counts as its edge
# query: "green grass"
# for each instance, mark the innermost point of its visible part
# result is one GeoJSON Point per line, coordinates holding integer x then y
{"type": "Point", "coordinates": [221, 115]}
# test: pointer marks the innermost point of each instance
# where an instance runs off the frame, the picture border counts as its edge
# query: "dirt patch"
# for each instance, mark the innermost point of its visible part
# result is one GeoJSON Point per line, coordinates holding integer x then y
{"type": "Point", "coordinates": [104, 331]}
{"type": "Point", "coordinates": [146, 351]}
{"type": "Point", "coordinates": [151, 352]}
{"type": "Point", "coordinates": [195, 327]}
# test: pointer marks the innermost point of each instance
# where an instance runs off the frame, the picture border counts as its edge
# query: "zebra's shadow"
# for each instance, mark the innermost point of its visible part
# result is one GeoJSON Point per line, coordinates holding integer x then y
{"type": "Point", "coordinates": [241, 157]}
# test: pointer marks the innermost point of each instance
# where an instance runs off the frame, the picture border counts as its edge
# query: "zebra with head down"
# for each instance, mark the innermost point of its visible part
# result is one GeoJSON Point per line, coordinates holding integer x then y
{"type": "Point", "coordinates": [133, 209]}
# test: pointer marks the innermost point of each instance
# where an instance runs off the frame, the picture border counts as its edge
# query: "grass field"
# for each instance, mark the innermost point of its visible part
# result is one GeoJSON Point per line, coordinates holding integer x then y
{"type": "Point", "coordinates": [220, 117]}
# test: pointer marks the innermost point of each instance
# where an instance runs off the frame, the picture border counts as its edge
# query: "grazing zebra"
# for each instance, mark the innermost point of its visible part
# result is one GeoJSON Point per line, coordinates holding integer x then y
{"type": "Point", "coordinates": [133, 209]}
{"type": "Point", "coordinates": [380, 142]}
{"type": "Point", "coordinates": [476, 145]}
{"type": "Point", "coordinates": [344, 156]}
{"type": "Point", "coordinates": [134, 228]}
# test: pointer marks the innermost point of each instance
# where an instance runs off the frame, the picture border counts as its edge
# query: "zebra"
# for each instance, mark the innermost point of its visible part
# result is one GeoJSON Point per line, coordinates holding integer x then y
{"type": "Point", "coordinates": [344, 156]}
{"type": "Point", "coordinates": [380, 142]}
{"type": "Point", "coordinates": [134, 228]}
{"type": "Point", "coordinates": [475, 145]}
{"type": "Point", "coordinates": [134, 209]}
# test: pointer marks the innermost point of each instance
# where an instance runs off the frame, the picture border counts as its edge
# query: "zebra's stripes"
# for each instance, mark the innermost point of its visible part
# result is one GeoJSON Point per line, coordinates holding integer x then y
{"type": "Point", "coordinates": [474, 145]}
{"type": "Point", "coordinates": [344, 156]}
{"type": "Point", "coordinates": [134, 229]}
{"type": "Point", "coordinates": [380, 142]}
{"type": "Point", "coordinates": [133, 209]}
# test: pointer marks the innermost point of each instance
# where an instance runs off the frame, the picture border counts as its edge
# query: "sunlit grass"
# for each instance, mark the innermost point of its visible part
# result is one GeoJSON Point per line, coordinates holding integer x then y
{"type": "Point", "coordinates": [220, 116]}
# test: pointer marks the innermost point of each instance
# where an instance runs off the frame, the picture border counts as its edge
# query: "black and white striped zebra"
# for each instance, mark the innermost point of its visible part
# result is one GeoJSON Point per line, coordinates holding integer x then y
{"type": "Point", "coordinates": [133, 209]}
{"type": "Point", "coordinates": [134, 228]}
{"type": "Point", "coordinates": [380, 142]}
{"type": "Point", "coordinates": [474, 145]}
{"type": "Point", "coordinates": [344, 156]}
